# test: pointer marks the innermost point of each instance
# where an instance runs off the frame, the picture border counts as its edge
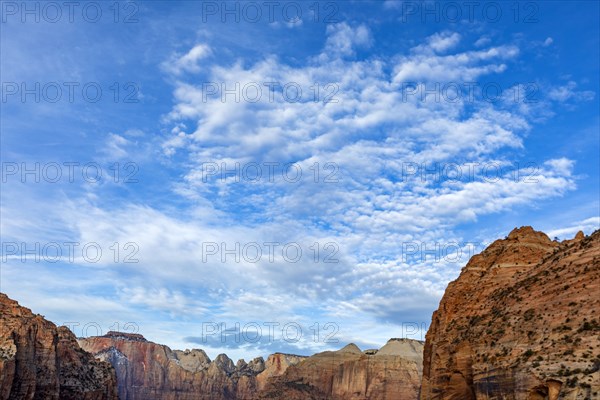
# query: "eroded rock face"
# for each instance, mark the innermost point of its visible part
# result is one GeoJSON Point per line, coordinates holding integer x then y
{"type": "Point", "coordinates": [393, 372]}
{"type": "Point", "coordinates": [41, 361]}
{"type": "Point", "coordinates": [147, 371]}
{"type": "Point", "coordinates": [275, 366]}
{"type": "Point", "coordinates": [520, 322]}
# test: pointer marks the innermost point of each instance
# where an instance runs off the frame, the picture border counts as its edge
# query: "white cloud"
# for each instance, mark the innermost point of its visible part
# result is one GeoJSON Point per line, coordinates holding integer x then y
{"type": "Point", "coordinates": [128, 146]}
{"type": "Point", "coordinates": [163, 299]}
{"type": "Point", "coordinates": [561, 166]}
{"type": "Point", "coordinates": [587, 226]}
{"type": "Point", "coordinates": [483, 41]}
{"type": "Point", "coordinates": [392, 4]}
{"type": "Point", "coordinates": [343, 39]}
{"type": "Point", "coordinates": [188, 62]}
{"type": "Point", "coordinates": [441, 42]}
{"type": "Point", "coordinates": [294, 23]}
{"type": "Point", "coordinates": [461, 67]}
{"type": "Point", "coordinates": [568, 92]}
{"type": "Point", "coordinates": [178, 140]}
{"type": "Point", "coordinates": [116, 147]}
{"type": "Point", "coordinates": [372, 131]}
{"type": "Point", "coordinates": [134, 133]}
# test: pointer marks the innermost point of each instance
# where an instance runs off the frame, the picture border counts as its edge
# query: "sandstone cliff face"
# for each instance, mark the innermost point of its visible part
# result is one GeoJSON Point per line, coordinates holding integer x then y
{"type": "Point", "coordinates": [40, 361]}
{"type": "Point", "coordinates": [275, 366]}
{"type": "Point", "coordinates": [393, 372]}
{"type": "Point", "coordinates": [147, 371]}
{"type": "Point", "coordinates": [520, 322]}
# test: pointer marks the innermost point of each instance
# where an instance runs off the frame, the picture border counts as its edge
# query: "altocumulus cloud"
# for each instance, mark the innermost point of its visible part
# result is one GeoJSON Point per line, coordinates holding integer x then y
{"type": "Point", "coordinates": [365, 127]}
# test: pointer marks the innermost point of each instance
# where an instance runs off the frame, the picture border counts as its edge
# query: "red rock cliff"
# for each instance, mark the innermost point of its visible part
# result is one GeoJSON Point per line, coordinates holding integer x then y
{"type": "Point", "coordinates": [520, 322]}
{"type": "Point", "coordinates": [40, 361]}
{"type": "Point", "coordinates": [148, 371]}
{"type": "Point", "coordinates": [391, 373]}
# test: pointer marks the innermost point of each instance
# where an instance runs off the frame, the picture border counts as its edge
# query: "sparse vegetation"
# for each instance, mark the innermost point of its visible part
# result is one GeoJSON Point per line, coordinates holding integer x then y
{"type": "Point", "coordinates": [528, 354]}
{"type": "Point", "coordinates": [529, 314]}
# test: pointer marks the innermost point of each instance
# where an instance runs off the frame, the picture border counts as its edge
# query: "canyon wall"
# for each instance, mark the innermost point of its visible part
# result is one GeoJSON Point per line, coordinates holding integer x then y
{"type": "Point", "coordinates": [41, 361]}
{"type": "Point", "coordinates": [150, 371]}
{"type": "Point", "coordinates": [391, 373]}
{"type": "Point", "coordinates": [520, 322]}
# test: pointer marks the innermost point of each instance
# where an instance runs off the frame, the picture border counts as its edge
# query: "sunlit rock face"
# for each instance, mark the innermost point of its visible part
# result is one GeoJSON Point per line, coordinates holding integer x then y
{"type": "Point", "coordinates": [393, 372]}
{"type": "Point", "coordinates": [146, 370]}
{"type": "Point", "coordinates": [520, 322]}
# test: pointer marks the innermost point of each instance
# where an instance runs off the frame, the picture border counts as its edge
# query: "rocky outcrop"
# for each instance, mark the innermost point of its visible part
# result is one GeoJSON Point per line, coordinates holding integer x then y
{"type": "Point", "coordinates": [147, 371]}
{"type": "Point", "coordinates": [275, 366]}
{"type": "Point", "coordinates": [41, 361]}
{"type": "Point", "coordinates": [393, 372]}
{"type": "Point", "coordinates": [520, 322]}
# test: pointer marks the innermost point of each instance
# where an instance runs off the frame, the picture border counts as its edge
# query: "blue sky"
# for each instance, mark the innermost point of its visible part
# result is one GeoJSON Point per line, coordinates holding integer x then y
{"type": "Point", "coordinates": [379, 235]}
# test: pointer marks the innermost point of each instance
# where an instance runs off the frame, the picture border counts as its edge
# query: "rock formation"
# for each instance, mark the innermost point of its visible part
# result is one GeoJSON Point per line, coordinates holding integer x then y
{"type": "Point", "coordinates": [275, 366]}
{"type": "Point", "coordinates": [40, 361]}
{"type": "Point", "coordinates": [147, 371]}
{"type": "Point", "coordinates": [520, 322]}
{"type": "Point", "coordinates": [393, 372]}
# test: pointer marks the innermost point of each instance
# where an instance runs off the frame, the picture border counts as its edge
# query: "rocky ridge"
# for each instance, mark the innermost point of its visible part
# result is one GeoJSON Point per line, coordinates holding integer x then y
{"type": "Point", "coordinates": [392, 372]}
{"type": "Point", "coordinates": [146, 370]}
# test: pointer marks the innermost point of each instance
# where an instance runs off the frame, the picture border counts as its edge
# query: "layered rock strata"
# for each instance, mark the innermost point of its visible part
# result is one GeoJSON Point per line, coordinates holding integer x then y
{"type": "Point", "coordinates": [520, 322]}
{"type": "Point", "coordinates": [39, 360]}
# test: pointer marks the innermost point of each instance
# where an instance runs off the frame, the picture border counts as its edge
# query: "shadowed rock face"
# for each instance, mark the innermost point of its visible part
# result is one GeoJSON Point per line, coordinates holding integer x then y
{"type": "Point", "coordinates": [520, 322]}
{"type": "Point", "coordinates": [40, 361]}
{"type": "Point", "coordinates": [393, 372]}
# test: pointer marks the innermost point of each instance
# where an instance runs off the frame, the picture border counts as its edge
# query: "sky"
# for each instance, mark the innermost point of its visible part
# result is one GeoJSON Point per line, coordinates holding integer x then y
{"type": "Point", "coordinates": [252, 177]}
